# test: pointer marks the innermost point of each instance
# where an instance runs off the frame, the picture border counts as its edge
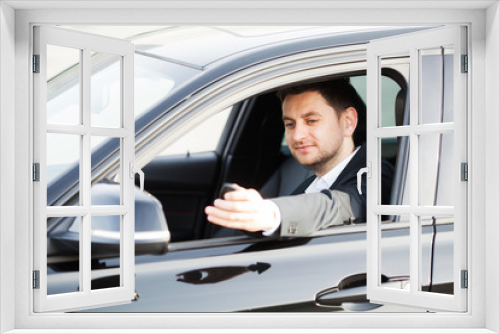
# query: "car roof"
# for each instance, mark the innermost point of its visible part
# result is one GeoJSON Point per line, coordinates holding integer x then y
{"type": "Point", "coordinates": [205, 45]}
{"type": "Point", "coordinates": [221, 64]}
{"type": "Point", "coordinates": [202, 46]}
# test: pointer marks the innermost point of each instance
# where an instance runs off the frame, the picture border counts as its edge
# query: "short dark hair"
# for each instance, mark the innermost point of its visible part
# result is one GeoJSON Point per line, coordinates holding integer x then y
{"type": "Point", "coordinates": [339, 94]}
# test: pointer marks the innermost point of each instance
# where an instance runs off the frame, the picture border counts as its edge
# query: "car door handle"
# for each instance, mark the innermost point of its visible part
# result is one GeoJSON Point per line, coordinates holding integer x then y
{"type": "Point", "coordinates": [352, 289]}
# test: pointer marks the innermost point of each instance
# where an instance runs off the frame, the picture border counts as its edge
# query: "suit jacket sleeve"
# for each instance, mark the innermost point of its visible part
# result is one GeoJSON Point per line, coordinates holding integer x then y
{"type": "Point", "coordinates": [312, 212]}
{"type": "Point", "coordinates": [302, 215]}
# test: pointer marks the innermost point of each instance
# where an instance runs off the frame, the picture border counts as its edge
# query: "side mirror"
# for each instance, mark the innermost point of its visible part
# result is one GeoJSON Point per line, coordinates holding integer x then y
{"type": "Point", "coordinates": [151, 231]}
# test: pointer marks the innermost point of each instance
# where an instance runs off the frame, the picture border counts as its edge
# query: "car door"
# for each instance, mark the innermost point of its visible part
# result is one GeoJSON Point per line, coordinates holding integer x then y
{"type": "Point", "coordinates": [185, 176]}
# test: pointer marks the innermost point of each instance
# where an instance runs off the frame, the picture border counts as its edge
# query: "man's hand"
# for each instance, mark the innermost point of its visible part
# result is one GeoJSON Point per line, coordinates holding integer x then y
{"type": "Point", "coordinates": [243, 209]}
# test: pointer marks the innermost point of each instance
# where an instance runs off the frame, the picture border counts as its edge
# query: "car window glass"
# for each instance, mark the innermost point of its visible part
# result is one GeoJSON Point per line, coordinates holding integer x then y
{"type": "Point", "coordinates": [154, 80]}
{"type": "Point", "coordinates": [203, 138]}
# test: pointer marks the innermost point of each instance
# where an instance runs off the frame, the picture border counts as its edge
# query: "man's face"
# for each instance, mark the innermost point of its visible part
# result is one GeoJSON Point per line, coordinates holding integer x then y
{"type": "Point", "coordinates": [317, 137]}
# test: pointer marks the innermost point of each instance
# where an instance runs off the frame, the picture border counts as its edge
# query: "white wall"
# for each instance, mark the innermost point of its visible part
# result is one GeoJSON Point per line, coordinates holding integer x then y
{"type": "Point", "coordinates": [7, 158]}
{"type": "Point", "coordinates": [492, 164]}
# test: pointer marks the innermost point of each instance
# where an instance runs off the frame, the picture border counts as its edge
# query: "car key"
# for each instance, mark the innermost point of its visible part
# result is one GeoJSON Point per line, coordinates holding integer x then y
{"type": "Point", "coordinates": [227, 187]}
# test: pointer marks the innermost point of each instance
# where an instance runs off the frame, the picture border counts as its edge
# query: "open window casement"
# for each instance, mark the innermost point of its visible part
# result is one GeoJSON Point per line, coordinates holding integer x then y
{"type": "Point", "coordinates": [67, 127]}
{"type": "Point", "coordinates": [432, 199]}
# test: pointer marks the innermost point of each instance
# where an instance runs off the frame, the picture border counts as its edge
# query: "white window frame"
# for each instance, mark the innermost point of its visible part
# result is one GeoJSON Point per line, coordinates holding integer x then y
{"type": "Point", "coordinates": [86, 44]}
{"type": "Point", "coordinates": [484, 213]}
{"type": "Point", "coordinates": [411, 44]}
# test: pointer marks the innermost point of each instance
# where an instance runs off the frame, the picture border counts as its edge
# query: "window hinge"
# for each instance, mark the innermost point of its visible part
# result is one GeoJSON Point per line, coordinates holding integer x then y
{"type": "Point", "coordinates": [465, 279]}
{"type": "Point", "coordinates": [465, 64]}
{"type": "Point", "coordinates": [36, 172]}
{"type": "Point", "coordinates": [36, 279]}
{"type": "Point", "coordinates": [36, 63]}
{"type": "Point", "coordinates": [464, 171]}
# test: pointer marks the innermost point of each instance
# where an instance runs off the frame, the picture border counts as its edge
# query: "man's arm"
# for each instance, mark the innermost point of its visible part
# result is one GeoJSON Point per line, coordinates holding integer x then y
{"type": "Point", "coordinates": [301, 215]}
{"type": "Point", "coordinates": [304, 214]}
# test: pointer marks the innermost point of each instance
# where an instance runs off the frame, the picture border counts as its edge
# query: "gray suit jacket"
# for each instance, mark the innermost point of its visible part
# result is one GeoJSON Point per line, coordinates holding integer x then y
{"type": "Point", "coordinates": [303, 214]}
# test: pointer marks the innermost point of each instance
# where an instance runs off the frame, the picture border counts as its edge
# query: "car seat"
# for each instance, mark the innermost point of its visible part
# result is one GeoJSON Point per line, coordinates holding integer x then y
{"type": "Point", "coordinates": [285, 179]}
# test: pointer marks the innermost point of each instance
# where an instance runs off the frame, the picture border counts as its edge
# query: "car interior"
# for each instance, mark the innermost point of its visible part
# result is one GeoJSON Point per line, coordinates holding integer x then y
{"type": "Point", "coordinates": [252, 153]}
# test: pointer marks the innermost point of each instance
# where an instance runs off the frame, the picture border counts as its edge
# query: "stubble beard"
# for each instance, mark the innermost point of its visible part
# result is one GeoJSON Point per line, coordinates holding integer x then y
{"type": "Point", "coordinates": [320, 165]}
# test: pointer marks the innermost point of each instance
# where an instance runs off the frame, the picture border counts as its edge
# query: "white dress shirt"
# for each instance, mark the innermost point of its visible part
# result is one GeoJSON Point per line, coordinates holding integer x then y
{"type": "Point", "coordinates": [326, 181]}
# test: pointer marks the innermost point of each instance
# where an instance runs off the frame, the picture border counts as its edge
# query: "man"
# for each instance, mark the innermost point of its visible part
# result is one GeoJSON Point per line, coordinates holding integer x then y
{"type": "Point", "coordinates": [325, 131]}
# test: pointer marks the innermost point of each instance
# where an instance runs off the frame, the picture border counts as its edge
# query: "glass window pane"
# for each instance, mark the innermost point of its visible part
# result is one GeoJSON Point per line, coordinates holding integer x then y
{"type": "Point", "coordinates": [106, 193]}
{"type": "Point", "coordinates": [63, 160]}
{"type": "Point", "coordinates": [359, 84]}
{"type": "Point", "coordinates": [436, 85]}
{"type": "Point", "coordinates": [427, 246]}
{"type": "Point", "coordinates": [153, 81]}
{"type": "Point", "coordinates": [436, 249]}
{"type": "Point", "coordinates": [436, 169]}
{"type": "Point", "coordinates": [445, 186]}
{"type": "Point", "coordinates": [395, 152]}
{"type": "Point", "coordinates": [392, 100]}
{"type": "Point", "coordinates": [389, 149]}
{"type": "Point", "coordinates": [202, 138]}
{"type": "Point", "coordinates": [106, 90]}
{"type": "Point", "coordinates": [63, 85]}
{"type": "Point", "coordinates": [395, 256]}
{"type": "Point", "coordinates": [106, 248]}
{"type": "Point", "coordinates": [429, 166]}
{"type": "Point", "coordinates": [64, 276]}
{"type": "Point", "coordinates": [392, 94]}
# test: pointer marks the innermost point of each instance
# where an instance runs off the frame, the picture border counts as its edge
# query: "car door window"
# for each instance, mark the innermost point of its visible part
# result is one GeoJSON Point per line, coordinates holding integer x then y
{"type": "Point", "coordinates": [202, 138]}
